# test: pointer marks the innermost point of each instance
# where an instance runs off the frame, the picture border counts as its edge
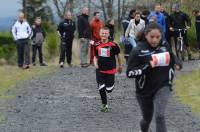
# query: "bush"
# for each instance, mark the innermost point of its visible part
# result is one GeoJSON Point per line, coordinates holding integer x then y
{"type": "Point", "coordinates": [51, 45]}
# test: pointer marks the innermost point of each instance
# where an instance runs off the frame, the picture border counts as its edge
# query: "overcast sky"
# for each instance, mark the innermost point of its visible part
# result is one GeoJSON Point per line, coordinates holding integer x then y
{"type": "Point", "coordinates": [9, 8]}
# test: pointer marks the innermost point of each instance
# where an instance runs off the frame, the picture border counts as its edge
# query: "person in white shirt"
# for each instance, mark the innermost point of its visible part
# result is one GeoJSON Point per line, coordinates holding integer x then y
{"type": "Point", "coordinates": [21, 32]}
{"type": "Point", "coordinates": [135, 27]}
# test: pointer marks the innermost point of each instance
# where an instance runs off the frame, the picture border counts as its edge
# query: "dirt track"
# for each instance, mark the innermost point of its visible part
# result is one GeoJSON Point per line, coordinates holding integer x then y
{"type": "Point", "coordinates": [68, 101]}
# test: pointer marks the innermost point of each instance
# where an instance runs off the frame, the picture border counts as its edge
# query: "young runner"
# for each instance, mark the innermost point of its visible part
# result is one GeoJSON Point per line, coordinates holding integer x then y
{"type": "Point", "coordinates": [152, 64]}
{"type": "Point", "coordinates": [106, 53]}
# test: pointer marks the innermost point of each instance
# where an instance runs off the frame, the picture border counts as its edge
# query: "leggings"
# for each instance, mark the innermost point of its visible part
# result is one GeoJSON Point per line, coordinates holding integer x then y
{"type": "Point", "coordinates": [156, 103]}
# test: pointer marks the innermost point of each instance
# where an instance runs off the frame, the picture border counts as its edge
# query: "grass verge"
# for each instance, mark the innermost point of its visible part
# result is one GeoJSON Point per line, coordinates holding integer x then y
{"type": "Point", "coordinates": [187, 88]}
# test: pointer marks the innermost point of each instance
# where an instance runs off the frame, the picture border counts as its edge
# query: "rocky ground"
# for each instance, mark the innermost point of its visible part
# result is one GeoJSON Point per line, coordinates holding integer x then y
{"type": "Point", "coordinates": [68, 101]}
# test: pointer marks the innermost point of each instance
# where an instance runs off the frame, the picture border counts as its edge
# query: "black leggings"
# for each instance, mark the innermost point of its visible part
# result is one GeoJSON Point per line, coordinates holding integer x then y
{"type": "Point", "coordinates": [156, 103]}
{"type": "Point", "coordinates": [105, 84]}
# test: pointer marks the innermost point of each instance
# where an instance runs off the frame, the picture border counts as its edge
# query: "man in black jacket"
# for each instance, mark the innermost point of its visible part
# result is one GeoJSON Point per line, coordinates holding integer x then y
{"type": "Point", "coordinates": [84, 35]}
{"type": "Point", "coordinates": [180, 20]}
{"type": "Point", "coordinates": [66, 31]}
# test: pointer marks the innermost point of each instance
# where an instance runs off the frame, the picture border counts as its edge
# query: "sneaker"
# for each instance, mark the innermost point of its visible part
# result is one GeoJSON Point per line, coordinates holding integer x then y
{"type": "Point", "coordinates": [104, 108]}
{"type": "Point", "coordinates": [85, 65]}
{"type": "Point", "coordinates": [34, 64]}
{"type": "Point", "coordinates": [43, 64]}
{"type": "Point", "coordinates": [61, 64]}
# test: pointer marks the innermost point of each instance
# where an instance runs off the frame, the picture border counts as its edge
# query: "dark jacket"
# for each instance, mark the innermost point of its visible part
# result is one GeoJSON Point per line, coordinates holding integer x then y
{"type": "Point", "coordinates": [66, 29]}
{"type": "Point", "coordinates": [179, 20]}
{"type": "Point", "coordinates": [125, 23]}
{"type": "Point", "coordinates": [36, 29]}
{"type": "Point", "coordinates": [198, 24]}
{"type": "Point", "coordinates": [112, 31]}
{"type": "Point", "coordinates": [150, 80]}
{"type": "Point", "coordinates": [84, 26]}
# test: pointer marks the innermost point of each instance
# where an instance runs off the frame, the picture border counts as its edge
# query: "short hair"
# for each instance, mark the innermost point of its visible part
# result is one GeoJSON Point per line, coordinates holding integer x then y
{"type": "Point", "coordinates": [105, 28]}
{"type": "Point", "coordinates": [196, 11]}
{"type": "Point", "coordinates": [95, 13]}
{"type": "Point", "coordinates": [137, 13]}
{"type": "Point", "coordinates": [157, 4]}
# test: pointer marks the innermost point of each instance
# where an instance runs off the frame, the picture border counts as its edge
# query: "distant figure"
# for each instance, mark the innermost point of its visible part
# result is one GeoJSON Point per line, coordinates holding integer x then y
{"type": "Point", "coordinates": [66, 31]}
{"type": "Point", "coordinates": [196, 13]}
{"type": "Point", "coordinates": [157, 16]}
{"type": "Point", "coordinates": [37, 41]}
{"type": "Point", "coordinates": [21, 32]}
{"type": "Point", "coordinates": [126, 21]}
{"type": "Point", "coordinates": [111, 26]}
{"type": "Point", "coordinates": [144, 16]}
{"type": "Point", "coordinates": [96, 24]}
{"type": "Point", "coordinates": [84, 32]}
{"type": "Point", "coordinates": [135, 27]}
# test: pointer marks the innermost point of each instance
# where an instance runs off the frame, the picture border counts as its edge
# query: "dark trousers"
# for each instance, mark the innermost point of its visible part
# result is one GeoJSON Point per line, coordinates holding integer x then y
{"type": "Point", "coordinates": [105, 85]}
{"type": "Point", "coordinates": [198, 39]}
{"type": "Point", "coordinates": [156, 103]}
{"type": "Point", "coordinates": [23, 51]}
{"type": "Point", "coordinates": [36, 48]}
{"type": "Point", "coordinates": [66, 50]}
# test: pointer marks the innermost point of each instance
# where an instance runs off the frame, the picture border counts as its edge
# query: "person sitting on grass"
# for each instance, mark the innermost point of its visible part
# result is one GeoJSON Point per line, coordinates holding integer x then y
{"type": "Point", "coordinates": [106, 53]}
{"type": "Point", "coordinates": [37, 41]}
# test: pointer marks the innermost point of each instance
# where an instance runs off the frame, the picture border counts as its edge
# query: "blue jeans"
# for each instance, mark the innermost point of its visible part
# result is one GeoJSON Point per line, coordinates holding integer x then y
{"type": "Point", "coordinates": [132, 41]}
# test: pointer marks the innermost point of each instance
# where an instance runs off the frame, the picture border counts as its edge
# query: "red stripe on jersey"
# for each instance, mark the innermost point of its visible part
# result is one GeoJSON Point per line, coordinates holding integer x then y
{"type": "Point", "coordinates": [113, 71]}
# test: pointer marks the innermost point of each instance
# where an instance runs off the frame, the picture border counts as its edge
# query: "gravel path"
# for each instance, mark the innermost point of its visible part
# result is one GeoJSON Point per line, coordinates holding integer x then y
{"type": "Point", "coordinates": [68, 101]}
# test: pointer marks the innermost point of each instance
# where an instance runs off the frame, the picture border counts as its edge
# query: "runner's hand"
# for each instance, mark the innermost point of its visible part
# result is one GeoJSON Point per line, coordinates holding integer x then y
{"type": "Point", "coordinates": [119, 70]}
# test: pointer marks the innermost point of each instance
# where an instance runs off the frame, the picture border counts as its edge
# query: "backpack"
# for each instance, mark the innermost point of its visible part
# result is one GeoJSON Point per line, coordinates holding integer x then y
{"type": "Point", "coordinates": [39, 38]}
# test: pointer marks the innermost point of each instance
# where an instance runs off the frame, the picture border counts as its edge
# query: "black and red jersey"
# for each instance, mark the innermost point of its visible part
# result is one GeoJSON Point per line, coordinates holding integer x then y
{"type": "Point", "coordinates": [105, 54]}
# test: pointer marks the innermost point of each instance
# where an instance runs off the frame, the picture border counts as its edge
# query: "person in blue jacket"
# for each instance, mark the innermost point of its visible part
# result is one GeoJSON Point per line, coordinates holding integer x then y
{"type": "Point", "coordinates": [158, 17]}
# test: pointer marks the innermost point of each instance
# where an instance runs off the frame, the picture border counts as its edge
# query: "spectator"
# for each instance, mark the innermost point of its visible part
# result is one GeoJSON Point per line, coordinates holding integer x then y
{"type": "Point", "coordinates": [37, 41]}
{"type": "Point", "coordinates": [21, 32]}
{"type": "Point", "coordinates": [160, 18]}
{"type": "Point", "coordinates": [126, 21]}
{"type": "Point", "coordinates": [66, 31]}
{"type": "Point", "coordinates": [84, 35]}
{"type": "Point", "coordinates": [196, 13]}
{"type": "Point", "coordinates": [135, 27]}
{"type": "Point", "coordinates": [111, 26]}
{"type": "Point", "coordinates": [95, 24]}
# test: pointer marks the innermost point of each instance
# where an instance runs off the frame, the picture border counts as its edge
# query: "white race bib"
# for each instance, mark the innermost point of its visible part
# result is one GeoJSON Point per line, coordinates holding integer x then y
{"type": "Point", "coordinates": [161, 59]}
{"type": "Point", "coordinates": [104, 52]}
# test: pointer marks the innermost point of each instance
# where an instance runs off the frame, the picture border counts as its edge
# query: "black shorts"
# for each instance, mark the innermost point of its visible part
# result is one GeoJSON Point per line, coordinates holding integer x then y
{"type": "Point", "coordinates": [105, 81]}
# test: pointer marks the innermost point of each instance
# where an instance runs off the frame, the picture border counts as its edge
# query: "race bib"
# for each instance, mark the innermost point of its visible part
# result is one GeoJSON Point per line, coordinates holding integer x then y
{"type": "Point", "coordinates": [161, 59]}
{"type": "Point", "coordinates": [104, 52]}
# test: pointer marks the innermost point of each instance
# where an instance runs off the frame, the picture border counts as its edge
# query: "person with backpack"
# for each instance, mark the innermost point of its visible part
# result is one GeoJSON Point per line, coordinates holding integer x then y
{"type": "Point", "coordinates": [66, 31]}
{"type": "Point", "coordinates": [21, 32]}
{"type": "Point", "coordinates": [152, 64]}
{"type": "Point", "coordinates": [38, 38]}
{"type": "Point", "coordinates": [105, 63]}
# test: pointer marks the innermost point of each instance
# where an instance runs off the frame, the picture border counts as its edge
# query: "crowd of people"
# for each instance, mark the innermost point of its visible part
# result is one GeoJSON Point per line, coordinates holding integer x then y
{"type": "Point", "coordinates": [151, 61]}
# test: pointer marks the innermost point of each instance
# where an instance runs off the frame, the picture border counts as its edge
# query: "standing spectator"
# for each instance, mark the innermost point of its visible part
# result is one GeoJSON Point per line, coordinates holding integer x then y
{"type": "Point", "coordinates": [111, 26]}
{"type": "Point", "coordinates": [37, 41]}
{"type": "Point", "coordinates": [21, 32]}
{"type": "Point", "coordinates": [66, 31]}
{"type": "Point", "coordinates": [96, 24]}
{"type": "Point", "coordinates": [126, 21]}
{"type": "Point", "coordinates": [145, 15]}
{"type": "Point", "coordinates": [196, 13]}
{"type": "Point", "coordinates": [180, 20]}
{"type": "Point", "coordinates": [160, 18]}
{"type": "Point", "coordinates": [84, 35]}
{"type": "Point", "coordinates": [135, 27]}
{"type": "Point", "coordinates": [167, 20]}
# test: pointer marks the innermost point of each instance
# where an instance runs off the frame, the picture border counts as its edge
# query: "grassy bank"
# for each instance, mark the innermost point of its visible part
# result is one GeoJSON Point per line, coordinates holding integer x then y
{"type": "Point", "coordinates": [187, 89]}
{"type": "Point", "coordinates": [11, 76]}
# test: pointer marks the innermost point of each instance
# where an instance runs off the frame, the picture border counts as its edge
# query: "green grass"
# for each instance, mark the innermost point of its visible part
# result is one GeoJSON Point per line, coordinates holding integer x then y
{"type": "Point", "coordinates": [187, 88]}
